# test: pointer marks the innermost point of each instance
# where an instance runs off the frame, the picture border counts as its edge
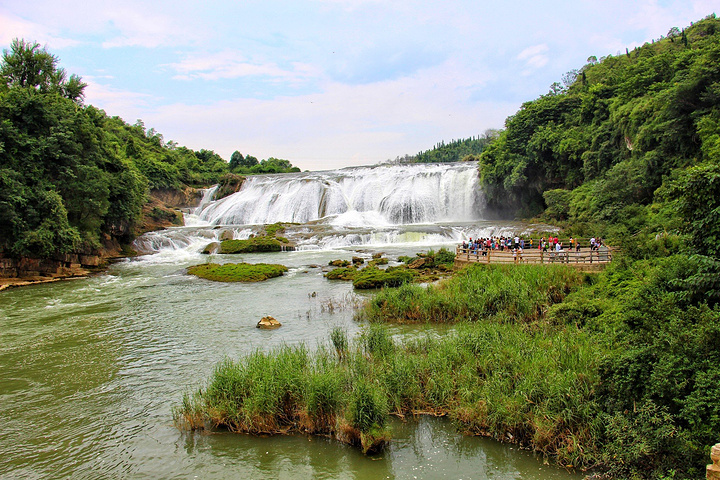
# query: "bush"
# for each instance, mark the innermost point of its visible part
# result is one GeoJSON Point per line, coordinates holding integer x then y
{"type": "Point", "coordinates": [372, 277]}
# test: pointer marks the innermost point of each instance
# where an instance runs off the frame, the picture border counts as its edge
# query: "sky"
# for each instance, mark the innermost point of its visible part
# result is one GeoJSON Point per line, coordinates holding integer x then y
{"type": "Point", "coordinates": [329, 83]}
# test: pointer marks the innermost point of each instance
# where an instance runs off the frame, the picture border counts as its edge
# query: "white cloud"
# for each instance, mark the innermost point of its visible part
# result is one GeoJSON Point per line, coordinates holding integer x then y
{"type": "Point", "coordinates": [534, 57]}
{"type": "Point", "coordinates": [143, 28]}
{"type": "Point", "coordinates": [12, 26]}
{"type": "Point", "coordinates": [233, 64]}
{"type": "Point", "coordinates": [344, 125]}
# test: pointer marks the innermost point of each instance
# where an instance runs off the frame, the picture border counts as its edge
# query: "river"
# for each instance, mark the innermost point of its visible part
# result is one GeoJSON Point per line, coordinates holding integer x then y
{"type": "Point", "coordinates": [92, 367]}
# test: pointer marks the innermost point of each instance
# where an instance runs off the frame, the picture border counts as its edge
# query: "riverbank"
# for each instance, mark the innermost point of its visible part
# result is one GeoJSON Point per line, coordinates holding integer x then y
{"type": "Point", "coordinates": [160, 212]}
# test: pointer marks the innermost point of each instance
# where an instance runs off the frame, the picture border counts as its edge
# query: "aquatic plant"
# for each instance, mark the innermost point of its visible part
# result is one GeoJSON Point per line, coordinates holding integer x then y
{"type": "Point", "coordinates": [492, 379]}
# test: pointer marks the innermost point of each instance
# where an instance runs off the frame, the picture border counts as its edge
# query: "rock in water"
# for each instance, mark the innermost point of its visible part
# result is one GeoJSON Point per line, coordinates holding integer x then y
{"type": "Point", "coordinates": [422, 262]}
{"type": "Point", "coordinates": [268, 323]}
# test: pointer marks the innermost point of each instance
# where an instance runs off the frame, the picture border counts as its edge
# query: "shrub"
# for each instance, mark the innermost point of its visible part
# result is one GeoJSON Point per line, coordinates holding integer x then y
{"type": "Point", "coordinates": [373, 277]}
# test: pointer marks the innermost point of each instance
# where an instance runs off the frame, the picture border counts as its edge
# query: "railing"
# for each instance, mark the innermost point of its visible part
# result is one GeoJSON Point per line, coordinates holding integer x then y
{"type": "Point", "coordinates": [600, 256]}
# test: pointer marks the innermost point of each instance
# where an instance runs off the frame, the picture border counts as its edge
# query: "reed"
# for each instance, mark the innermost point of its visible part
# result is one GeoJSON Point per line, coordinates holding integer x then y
{"type": "Point", "coordinates": [528, 386]}
{"type": "Point", "coordinates": [509, 293]}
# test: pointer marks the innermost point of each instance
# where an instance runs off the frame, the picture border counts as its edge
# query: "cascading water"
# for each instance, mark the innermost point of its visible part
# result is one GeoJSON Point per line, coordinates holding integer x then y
{"type": "Point", "coordinates": [361, 196]}
{"type": "Point", "coordinates": [380, 206]}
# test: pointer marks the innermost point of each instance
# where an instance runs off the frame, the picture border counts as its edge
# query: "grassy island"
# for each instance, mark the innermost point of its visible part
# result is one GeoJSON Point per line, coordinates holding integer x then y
{"type": "Point", "coordinates": [237, 272]}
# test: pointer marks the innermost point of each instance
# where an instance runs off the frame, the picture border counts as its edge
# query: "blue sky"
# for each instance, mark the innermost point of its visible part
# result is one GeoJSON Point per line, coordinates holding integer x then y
{"type": "Point", "coordinates": [329, 83]}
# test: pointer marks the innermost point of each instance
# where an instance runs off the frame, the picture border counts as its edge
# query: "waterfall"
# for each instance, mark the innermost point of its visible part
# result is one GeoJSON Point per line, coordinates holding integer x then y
{"type": "Point", "coordinates": [360, 196]}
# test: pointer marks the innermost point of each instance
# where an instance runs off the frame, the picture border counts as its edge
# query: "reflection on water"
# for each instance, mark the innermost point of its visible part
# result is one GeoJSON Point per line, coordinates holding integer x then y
{"type": "Point", "coordinates": [91, 369]}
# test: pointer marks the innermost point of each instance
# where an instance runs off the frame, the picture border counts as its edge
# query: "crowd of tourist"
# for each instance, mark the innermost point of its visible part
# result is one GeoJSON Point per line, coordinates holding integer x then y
{"type": "Point", "coordinates": [516, 245]}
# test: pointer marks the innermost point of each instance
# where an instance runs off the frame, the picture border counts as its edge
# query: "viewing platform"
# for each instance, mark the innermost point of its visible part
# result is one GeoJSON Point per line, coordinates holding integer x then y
{"type": "Point", "coordinates": [587, 260]}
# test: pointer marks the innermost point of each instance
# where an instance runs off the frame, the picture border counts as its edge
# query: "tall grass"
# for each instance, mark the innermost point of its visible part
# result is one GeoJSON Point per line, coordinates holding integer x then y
{"type": "Point", "coordinates": [532, 387]}
{"type": "Point", "coordinates": [508, 292]}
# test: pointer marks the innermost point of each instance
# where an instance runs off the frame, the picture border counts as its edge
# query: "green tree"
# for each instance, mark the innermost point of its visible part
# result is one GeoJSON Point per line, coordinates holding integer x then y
{"type": "Point", "coordinates": [26, 65]}
{"type": "Point", "coordinates": [236, 160]}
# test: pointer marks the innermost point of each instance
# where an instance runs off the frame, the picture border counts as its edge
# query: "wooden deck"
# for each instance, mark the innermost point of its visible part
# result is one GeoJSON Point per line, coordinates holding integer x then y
{"type": "Point", "coordinates": [586, 260]}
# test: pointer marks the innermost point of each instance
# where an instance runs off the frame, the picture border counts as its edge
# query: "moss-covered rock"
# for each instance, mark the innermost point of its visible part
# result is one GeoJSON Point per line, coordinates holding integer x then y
{"type": "Point", "coordinates": [252, 245]}
{"type": "Point", "coordinates": [338, 263]}
{"type": "Point", "coordinates": [237, 272]}
{"type": "Point", "coordinates": [378, 261]}
{"type": "Point", "coordinates": [373, 277]}
{"type": "Point", "coordinates": [343, 273]}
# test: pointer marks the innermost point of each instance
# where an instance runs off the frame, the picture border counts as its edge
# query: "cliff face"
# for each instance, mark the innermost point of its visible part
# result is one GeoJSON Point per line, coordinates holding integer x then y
{"type": "Point", "coordinates": [189, 197]}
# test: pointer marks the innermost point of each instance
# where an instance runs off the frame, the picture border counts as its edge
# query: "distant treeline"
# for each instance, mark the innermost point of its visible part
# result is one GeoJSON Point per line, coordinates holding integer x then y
{"type": "Point", "coordinates": [70, 175]}
{"type": "Point", "coordinates": [465, 150]}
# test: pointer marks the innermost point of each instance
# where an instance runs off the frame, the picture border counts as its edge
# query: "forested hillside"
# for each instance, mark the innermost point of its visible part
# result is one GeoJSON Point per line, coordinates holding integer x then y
{"type": "Point", "coordinates": [70, 175]}
{"type": "Point", "coordinates": [595, 151]}
{"type": "Point", "coordinates": [464, 150]}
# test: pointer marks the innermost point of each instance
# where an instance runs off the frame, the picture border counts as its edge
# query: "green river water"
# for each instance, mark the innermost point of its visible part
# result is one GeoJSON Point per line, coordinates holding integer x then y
{"type": "Point", "coordinates": [91, 369]}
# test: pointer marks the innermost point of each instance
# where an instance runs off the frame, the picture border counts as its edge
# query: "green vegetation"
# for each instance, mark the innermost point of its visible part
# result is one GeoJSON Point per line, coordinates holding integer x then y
{"type": "Point", "coordinates": [260, 243]}
{"type": "Point", "coordinates": [341, 273]}
{"type": "Point", "coordinates": [237, 272]}
{"type": "Point", "coordinates": [511, 293]}
{"type": "Point", "coordinates": [248, 165]}
{"type": "Point", "coordinates": [492, 379]}
{"type": "Point", "coordinates": [373, 277]}
{"type": "Point", "coordinates": [465, 150]}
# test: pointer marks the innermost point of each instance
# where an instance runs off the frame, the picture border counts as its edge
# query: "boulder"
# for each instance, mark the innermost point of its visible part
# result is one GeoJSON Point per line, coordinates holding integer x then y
{"type": "Point", "coordinates": [422, 262]}
{"type": "Point", "coordinates": [268, 323]}
{"type": "Point", "coordinates": [358, 260]}
{"type": "Point", "coordinates": [212, 248]}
